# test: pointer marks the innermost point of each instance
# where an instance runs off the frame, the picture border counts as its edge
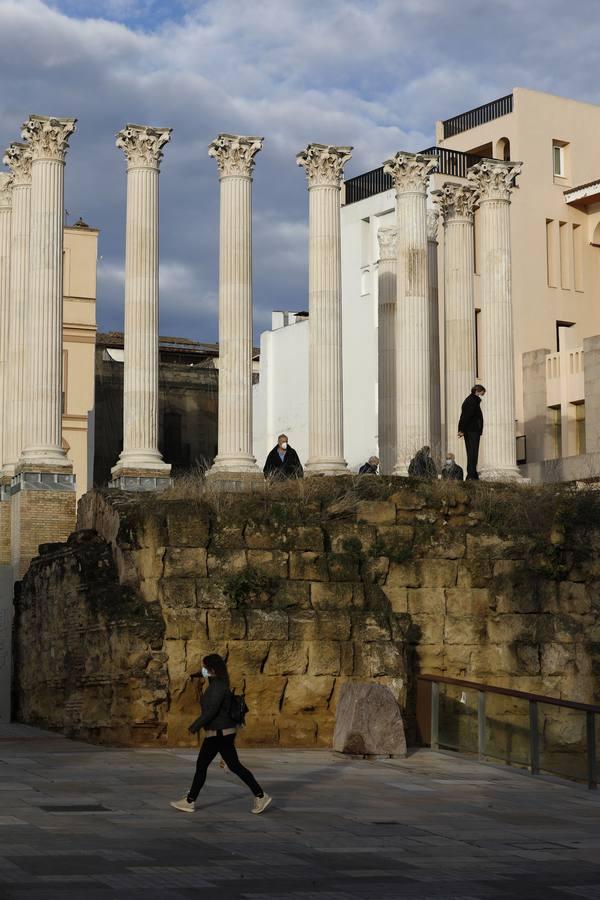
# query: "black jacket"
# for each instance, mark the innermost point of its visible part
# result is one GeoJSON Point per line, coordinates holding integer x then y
{"type": "Point", "coordinates": [367, 469]}
{"type": "Point", "coordinates": [471, 417]}
{"type": "Point", "coordinates": [289, 467]}
{"type": "Point", "coordinates": [422, 466]}
{"type": "Point", "coordinates": [452, 473]}
{"type": "Point", "coordinates": [214, 704]}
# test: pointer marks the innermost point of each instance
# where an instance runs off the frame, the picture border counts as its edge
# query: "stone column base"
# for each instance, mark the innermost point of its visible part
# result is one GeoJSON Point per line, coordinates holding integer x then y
{"type": "Point", "coordinates": [236, 466]}
{"type": "Point", "coordinates": [43, 510]}
{"type": "Point", "coordinates": [400, 470]}
{"type": "Point", "coordinates": [236, 482]}
{"type": "Point", "coordinates": [130, 479]}
{"type": "Point", "coordinates": [326, 467]}
{"type": "Point", "coordinates": [507, 475]}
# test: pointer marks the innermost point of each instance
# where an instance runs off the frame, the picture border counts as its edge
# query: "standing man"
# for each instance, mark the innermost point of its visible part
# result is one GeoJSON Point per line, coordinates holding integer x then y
{"type": "Point", "coordinates": [470, 427]}
{"type": "Point", "coordinates": [283, 461]}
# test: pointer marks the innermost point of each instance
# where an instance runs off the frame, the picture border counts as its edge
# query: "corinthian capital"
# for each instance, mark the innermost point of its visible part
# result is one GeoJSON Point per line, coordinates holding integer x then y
{"type": "Point", "coordinates": [48, 138]}
{"type": "Point", "coordinates": [142, 145]}
{"type": "Point", "coordinates": [494, 179]}
{"type": "Point", "coordinates": [235, 154]}
{"type": "Point", "coordinates": [387, 235]}
{"type": "Point", "coordinates": [18, 159]}
{"type": "Point", "coordinates": [410, 171]}
{"type": "Point", "coordinates": [6, 184]}
{"type": "Point", "coordinates": [432, 224]}
{"type": "Point", "coordinates": [324, 164]}
{"type": "Point", "coordinates": [456, 201]}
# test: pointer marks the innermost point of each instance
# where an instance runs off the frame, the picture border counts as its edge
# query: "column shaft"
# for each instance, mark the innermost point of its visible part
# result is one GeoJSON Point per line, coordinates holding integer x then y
{"type": "Point", "coordinates": [386, 337]}
{"type": "Point", "coordinates": [434, 337]}
{"type": "Point", "coordinates": [5, 227]}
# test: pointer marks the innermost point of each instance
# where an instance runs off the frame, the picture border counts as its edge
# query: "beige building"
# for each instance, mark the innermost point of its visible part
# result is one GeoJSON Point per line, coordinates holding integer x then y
{"type": "Point", "coordinates": [79, 338]}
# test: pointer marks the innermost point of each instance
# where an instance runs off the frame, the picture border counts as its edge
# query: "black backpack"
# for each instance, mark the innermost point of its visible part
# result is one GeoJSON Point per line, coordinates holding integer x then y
{"type": "Point", "coordinates": [237, 708]}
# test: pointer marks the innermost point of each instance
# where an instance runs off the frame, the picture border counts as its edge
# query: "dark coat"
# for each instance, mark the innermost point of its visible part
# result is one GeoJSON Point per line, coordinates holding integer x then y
{"type": "Point", "coordinates": [214, 704]}
{"type": "Point", "coordinates": [422, 466]}
{"type": "Point", "coordinates": [367, 469]}
{"type": "Point", "coordinates": [452, 473]}
{"type": "Point", "coordinates": [471, 417]}
{"type": "Point", "coordinates": [289, 467]}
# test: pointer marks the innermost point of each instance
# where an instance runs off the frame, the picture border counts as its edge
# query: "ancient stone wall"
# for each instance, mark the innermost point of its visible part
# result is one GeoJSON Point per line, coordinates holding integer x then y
{"type": "Point", "coordinates": [302, 588]}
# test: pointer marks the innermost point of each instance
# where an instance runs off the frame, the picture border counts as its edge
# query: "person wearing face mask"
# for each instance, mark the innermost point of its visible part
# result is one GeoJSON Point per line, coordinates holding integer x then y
{"type": "Point", "coordinates": [283, 461]}
{"type": "Point", "coordinates": [451, 471]}
{"type": "Point", "coordinates": [470, 427]}
{"type": "Point", "coordinates": [220, 730]}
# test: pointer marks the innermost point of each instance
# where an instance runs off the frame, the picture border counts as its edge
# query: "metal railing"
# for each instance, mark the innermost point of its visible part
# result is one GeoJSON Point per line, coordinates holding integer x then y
{"type": "Point", "coordinates": [478, 116]}
{"type": "Point", "coordinates": [429, 725]}
{"type": "Point", "coordinates": [449, 162]}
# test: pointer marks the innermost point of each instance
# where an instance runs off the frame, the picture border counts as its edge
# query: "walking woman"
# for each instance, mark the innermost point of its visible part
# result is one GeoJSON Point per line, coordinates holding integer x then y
{"type": "Point", "coordinates": [219, 730]}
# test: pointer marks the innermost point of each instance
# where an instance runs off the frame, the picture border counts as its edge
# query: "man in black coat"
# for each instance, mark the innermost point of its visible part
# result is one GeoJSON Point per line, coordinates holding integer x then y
{"type": "Point", "coordinates": [283, 461]}
{"type": "Point", "coordinates": [422, 465]}
{"type": "Point", "coordinates": [470, 427]}
{"type": "Point", "coordinates": [451, 471]}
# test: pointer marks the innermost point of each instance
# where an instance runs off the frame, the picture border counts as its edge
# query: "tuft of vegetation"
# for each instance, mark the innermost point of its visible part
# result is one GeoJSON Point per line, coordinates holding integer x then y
{"type": "Point", "coordinates": [248, 584]}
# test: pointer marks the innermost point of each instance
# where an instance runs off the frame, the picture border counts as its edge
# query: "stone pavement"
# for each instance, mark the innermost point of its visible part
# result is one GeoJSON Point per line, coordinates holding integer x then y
{"type": "Point", "coordinates": [78, 821]}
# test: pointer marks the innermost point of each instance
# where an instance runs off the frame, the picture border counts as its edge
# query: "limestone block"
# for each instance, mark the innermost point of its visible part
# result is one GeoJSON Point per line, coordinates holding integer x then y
{"type": "Point", "coordinates": [260, 730]}
{"type": "Point", "coordinates": [333, 624]}
{"type": "Point", "coordinates": [228, 537]}
{"type": "Point", "coordinates": [273, 563]}
{"type": "Point", "coordinates": [490, 546]}
{"type": "Point", "coordinates": [464, 630]}
{"type": "Point", "coordinates": [446, 546]}
{"type": "Point", "coordinates": [427, 629]}
{"type": "Point", "coordinates": [376, 512]}
{"type": "Point", "coordinates": [305, 537]}
{"type": "Point", "coordinates": [298, 731]}
{"type": "Point", "coordinates": [395, 535]}
{"type": "Point", "coordinates": [555, 658]}
{"type": "Point", "coordinates": [474, 573]}
{"type": "Point", "coordinates": [431, 601]}
{"type": "Point", "coordinates": [398, 598]}
{"type": "Point", "coordinates": [493, 660]}
{"type": "Point", "coordinates": [226, 625]}
{"type": "Point", "coordinates": [306, 693]}
{"type": "Point", "coordinates": [325, 729]}
{"type": "Point", "coordinates": [407, 499]}
{"type": "Point", "coordinates": [226, 562]}
{"type": "Point", "coordinates": [303, 625]}
{"type": "Point", "coordinates": [376, 569]}
{"type": "Point", "coordinates": [292, 595]}
{"type": "Point", "coordinates": [324, 658]}
{"type": "Point", "coordinates": [342, 567]}
{"type": "Point", "coordinates": [573, 598]}
{"type": "Point", "coordinates": [210, 594]}
{"type": "Point", "coordinates": [267, 625]}
{"type": "Point", "coordinates": [264, 693]}
{"type": "Point", "coordinates": [437, 572]}
{"type": "Point", "coordinates": [346, 658]}
{"type": "Point", "coordinates": [512, 627]}
{"type": "Point", "coordinates": [187, 525]}
{"type": "Point", "coordinates": [402, 575]}
{"type": "Point", "coordinates": [368, 721]}
{"type": "Point", "coordinates": [149, 562]}
{"type": "Point", "coordinates": [370, 626]}
{"type": "Point", "coordinates": [183, 561]}
{"type": "Point", "coordinates": [176, 592]}
{"type": "Point", "coordinates": [340, 534]}
{"type": "Point", "coordinates": [339, 595]}
{"type": "Point", "coordinates": [185, 623]}
{"type": "Point", "coordinates": [469, 601]}
{"type": "Point", "coordinates": [308, 565]}
{"type": "Point", "coordinates": [528, 658]}
{"type": "Point", "coordinates": [247, 657]}
{"type": "Point", "coordinates": [457, 659]}
{"type": "Point", "coordinates": [430, 658]}
{"type": "Point", "coordinates": [287, 658]}
{"type": "Point", "coordinates": [264, 537]}
{"type": "Point", "coordinates": [377, 658]}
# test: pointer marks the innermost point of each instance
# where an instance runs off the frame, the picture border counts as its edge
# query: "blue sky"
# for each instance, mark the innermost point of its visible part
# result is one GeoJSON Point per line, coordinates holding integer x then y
{"type": "Point", "coordinates": [373, 74]}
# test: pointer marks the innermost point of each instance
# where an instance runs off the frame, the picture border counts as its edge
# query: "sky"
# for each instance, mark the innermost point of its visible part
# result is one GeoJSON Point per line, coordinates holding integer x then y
{"type": "Point", "coordinates": [374, 74]}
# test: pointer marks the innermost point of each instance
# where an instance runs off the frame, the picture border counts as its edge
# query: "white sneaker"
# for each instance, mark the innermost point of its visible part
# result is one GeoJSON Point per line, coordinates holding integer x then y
{"type": "Point", "coordinates": [183, 805]}
{"type": "Point", "coordinates": [260, 804]}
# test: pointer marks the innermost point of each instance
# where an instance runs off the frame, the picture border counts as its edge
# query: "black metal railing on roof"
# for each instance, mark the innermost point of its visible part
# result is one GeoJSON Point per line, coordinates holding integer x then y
{"type": "Point", "coordinates": [478, 116]}
{"type": "Point", "coordinates": [449, 162]}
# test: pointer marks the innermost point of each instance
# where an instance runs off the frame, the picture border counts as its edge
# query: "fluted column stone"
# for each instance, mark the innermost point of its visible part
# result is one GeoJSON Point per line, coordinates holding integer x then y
{"type": "Point", "coordinates": [410, 174]}
{"type": "Point", "coordinates": [494, 181]}
{"type": "Point", "coordinates": [6, 183]}
{"type": "Point", "coordinates": [140, 463]}
{"type": "Point", "coordinates": [386, 337]}
{"type": "Point", "coordinates": [456, 203]}
{"type": "Point", "coordinates": [235, 160]}
{"type": "Point", "coordinates": [18, 159]}
{"type": "Point", "coordinates": [434, 334]}
{"type": "Point", "coordinates": [323, 164]}
{"type": "Point", "coordinates": [47, 139]}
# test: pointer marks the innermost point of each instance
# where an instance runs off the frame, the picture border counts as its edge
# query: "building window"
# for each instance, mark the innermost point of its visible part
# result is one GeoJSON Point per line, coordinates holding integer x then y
{"type": "Point", "coordinates": [556, 427]}
{"type": "Point", "coordinates": [563, 337]}
{"type": "Point", "coordinates": [560, 159]}
{"type": "Point", "coordinates": [580, 428]}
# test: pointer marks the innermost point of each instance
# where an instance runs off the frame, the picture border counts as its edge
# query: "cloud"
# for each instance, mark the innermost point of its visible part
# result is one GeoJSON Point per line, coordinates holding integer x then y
{"type": "Point", "coordinates": [375, 74]}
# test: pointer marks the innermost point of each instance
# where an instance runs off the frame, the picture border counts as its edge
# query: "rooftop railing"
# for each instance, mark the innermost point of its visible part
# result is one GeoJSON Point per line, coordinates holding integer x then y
{"type": "Point", "coordinates": [449, 162]}
{"type": "Point", "coordinates": [531, 731]}
{"type": "Point", "coordinates": [478, 116]}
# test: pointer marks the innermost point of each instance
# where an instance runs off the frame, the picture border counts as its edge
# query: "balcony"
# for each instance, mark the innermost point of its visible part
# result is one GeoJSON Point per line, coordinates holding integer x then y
{"type": "Point", "coordinates": [478, 116]}
{"type": "Point", "coordinates": [450, 162]}
{"type": "Point", "coordinates": [565, 377]}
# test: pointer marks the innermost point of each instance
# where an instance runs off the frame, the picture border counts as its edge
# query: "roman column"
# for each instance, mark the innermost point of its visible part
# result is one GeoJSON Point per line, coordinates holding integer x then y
{"type": "Point", "coordinates": [140, 464]}
{"type": "Point", "coordinates": [48, 140]}
{"type": "Point", "coordinates": [494, 181]}
{"type": "Point", "coordinates": [235, 154]}
{"type": "Point", "coordinates": [5, 221]}
{"type": "Point", "coordinates": [410, 174]}
{"type": "Point", "coordinates": [434, 333]}
{"type": "Point", "coordinates": [323, 164]}
{"type": "Point", "coordinates": [18, 159]}
{"type": "Point", "coordinates": [456, 203]}
{"type": "Point", "coordinates": [386, 381]}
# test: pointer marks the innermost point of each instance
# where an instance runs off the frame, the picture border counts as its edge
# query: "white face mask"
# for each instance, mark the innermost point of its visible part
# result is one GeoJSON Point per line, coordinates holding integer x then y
{"type": "Point", "coordinates": [204, 672]}
{"type": "Point", "coordinates": [449, 461]}
{"type": "Point", "coordinates": [284, 445]}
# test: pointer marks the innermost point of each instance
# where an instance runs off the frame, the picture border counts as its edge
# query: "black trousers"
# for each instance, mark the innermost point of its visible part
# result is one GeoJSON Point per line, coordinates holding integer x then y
{"type": "Point", "coordinates": [225, 745]}
{"type": "Point", "coordinates": [472, 439]}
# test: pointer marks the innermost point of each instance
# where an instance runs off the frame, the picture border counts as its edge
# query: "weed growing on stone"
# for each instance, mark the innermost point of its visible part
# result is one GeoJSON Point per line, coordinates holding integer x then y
{"type": "Point", "coordinates": [250, 582]}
